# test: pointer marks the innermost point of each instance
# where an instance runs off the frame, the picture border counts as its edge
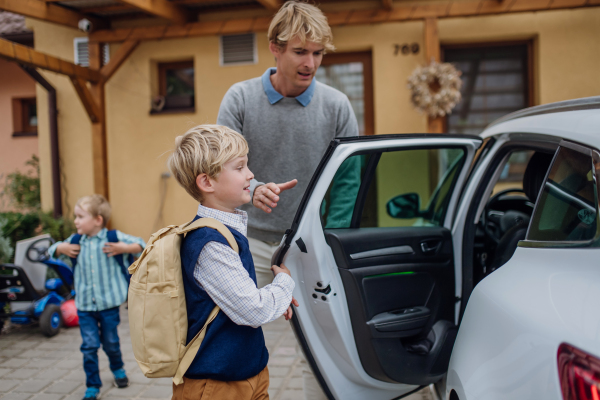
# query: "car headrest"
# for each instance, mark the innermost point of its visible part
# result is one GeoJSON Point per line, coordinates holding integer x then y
{"type": "Point", "coordinates": [535, 173]}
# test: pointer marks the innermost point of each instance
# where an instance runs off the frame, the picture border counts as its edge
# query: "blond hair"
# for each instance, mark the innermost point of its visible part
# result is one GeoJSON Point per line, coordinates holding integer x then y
{"type": "Point", "coordinates": [301, 20]}
{"type": "Point", "coordinates": [203, 150]}
{"type": "Point", "coordinates": [96, 204]}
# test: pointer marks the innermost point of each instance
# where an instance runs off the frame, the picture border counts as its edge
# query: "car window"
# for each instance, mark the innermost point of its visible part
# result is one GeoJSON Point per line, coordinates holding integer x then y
{"type": "Point", "coordinates": [395, 188]}
{"type": "Point", "coordinates": [567, 207]}
{"type": "Point", "coordinates": [513, 171]}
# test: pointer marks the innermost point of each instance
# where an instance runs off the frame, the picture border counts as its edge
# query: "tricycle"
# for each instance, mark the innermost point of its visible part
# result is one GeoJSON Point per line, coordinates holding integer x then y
{"type": "Point", "coordinates": [23, 303]}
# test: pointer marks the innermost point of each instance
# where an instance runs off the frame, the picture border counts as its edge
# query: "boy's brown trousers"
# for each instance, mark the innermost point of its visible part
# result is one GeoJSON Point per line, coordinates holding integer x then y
{"type": "Point", "coordinates": [255, 388]}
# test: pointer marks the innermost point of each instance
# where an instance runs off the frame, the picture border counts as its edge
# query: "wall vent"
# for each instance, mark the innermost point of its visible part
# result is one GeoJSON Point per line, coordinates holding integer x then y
{"type": "Point", "coordinates": [82, 57]}
{"type": "Point", "coordinates": [238, 49]}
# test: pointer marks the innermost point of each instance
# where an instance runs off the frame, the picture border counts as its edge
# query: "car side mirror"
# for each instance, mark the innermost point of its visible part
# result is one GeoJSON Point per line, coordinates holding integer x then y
{"type": "Point", "coordinates": [405, 206]}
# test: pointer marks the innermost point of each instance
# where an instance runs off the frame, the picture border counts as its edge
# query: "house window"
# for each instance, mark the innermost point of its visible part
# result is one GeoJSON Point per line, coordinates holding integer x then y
{"type": "Point", "coordinates": [351, 74]}
{"type": "Point", "coordinates": [24, 117]}
{"type": "Point", "coordinates": [496, 81]}
{"type": "Point", "coordinates": [176, 87]}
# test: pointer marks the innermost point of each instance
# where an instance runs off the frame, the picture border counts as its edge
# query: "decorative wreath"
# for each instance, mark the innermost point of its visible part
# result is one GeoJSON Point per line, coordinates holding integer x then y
{"type": "Point", "coordinates": [435, 88]}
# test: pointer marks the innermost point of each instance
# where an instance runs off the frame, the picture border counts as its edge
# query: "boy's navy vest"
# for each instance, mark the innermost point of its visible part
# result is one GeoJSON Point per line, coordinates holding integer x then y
{"type": "Point", "coordinates": [229, 352]}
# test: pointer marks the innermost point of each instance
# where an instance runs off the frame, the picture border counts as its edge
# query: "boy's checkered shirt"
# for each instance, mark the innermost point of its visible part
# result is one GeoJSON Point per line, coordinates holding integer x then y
{"type": "Point", "coordinates": [99, 281]}
{"type": "Point", "coordinates": [219, 271]}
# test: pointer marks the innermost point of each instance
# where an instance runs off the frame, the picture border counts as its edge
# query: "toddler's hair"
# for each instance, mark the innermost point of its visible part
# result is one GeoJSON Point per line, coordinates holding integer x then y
{"type": "Point", "coordinates": [96, 204]}
{"type": "Point", "coordinates": [203, 150]}
{"type": "Point", "coordinates": [301, 20]}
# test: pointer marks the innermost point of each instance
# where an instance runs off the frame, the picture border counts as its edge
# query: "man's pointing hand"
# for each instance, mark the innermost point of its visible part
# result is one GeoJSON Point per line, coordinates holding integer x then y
{"type": "Point", "coordinates": [266, 196]}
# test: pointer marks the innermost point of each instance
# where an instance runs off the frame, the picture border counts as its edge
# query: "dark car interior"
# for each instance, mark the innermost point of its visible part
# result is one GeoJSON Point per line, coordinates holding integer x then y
{"type": "Point", "coordinates": [505, 218]}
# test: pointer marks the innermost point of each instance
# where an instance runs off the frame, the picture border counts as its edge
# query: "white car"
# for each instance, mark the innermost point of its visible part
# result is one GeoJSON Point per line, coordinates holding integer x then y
{"type": "Point", "coordinates": [468, 262]}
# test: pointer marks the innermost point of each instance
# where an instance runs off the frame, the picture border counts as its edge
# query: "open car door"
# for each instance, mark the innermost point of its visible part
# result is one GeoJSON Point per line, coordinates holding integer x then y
{"type": "Point", "coordinates": [370, 249]}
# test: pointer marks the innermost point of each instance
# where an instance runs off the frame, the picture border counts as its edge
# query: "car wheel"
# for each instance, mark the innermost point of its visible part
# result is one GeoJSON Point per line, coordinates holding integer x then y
{"type": "Point", "coordinates": [51, 320]}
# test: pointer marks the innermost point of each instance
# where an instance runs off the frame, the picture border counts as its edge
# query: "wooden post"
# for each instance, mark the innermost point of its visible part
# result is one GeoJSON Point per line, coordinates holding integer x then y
{"type": "Point", "coordinates": [432, 53]}
{"type": "Point", "coordinates": [99, 150]}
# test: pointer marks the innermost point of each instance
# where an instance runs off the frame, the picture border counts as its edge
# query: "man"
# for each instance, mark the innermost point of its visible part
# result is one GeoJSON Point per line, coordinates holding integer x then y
{"type": "Point", "coordinates": [288, 119]}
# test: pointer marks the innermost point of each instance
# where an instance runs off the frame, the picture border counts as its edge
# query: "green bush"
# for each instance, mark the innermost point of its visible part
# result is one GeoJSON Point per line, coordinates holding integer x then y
{"type": "Point", "coordinates": [6, 250]}
{"type": "Point", "coordinates": [23, 189]}
{"type": "Point", "coordinates": [19, 226]}
{"type": "Point", "coordinates": [23, 192]}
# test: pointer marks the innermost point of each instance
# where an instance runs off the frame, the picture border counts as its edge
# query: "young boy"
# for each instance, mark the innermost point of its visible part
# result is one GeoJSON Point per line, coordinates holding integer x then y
{"type": "Point", "coordinates": [211, 163]}
{"type": "Point", "coordinates": [100, 287]}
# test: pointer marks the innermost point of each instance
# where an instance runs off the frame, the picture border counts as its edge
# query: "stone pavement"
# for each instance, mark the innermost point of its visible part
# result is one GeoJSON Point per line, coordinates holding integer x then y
{"type": "Point", "coordinates": [35, 367]}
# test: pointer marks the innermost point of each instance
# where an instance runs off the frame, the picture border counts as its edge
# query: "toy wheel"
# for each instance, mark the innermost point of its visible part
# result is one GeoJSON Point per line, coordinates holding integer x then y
{"type": "Point", "coordinates": [51, 320]}
{"type": "Point", "coordinates": [38, 250]}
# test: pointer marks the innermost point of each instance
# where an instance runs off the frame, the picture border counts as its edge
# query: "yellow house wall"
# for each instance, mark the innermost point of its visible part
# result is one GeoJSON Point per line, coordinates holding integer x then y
{"type": "Point", "coordinates": [74, 127]}
{"type": "Point", "coordinates": [567, 54]}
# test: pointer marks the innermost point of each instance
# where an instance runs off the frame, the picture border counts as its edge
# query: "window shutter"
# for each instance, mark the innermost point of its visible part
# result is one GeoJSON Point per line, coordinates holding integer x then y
{"type": "Point", "coordinates": [82, 56]}
{"type": "Point", "coordinates": [238, 49]}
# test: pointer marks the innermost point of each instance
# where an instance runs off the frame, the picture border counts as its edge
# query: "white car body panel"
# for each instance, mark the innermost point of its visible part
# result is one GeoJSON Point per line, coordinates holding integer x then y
{"type": "Point", "coordinates": [518, 316]}
{"type": "Point", "coordinates": [327, 323]}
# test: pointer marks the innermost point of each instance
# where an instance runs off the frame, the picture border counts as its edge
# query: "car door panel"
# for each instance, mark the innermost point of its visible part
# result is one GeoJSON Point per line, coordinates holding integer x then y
{"type": "Point", "coordinates": [395, 299]}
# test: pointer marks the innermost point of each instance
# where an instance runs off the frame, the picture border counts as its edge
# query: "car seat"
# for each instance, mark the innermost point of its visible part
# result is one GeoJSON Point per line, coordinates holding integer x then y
{"type": "Point", "coordinates": [534, 176]}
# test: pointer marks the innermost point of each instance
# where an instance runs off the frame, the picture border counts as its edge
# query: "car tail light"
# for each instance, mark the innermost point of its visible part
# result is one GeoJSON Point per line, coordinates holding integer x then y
{"type": "Point", "coordinates": [579, 374]}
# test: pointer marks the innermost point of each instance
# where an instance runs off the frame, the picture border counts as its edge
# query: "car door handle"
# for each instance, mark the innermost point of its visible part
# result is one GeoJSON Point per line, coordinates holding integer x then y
{"type": "Point", "coordinates": [388, 251]}
{"type": "Point", "coordinates": [430, 246]}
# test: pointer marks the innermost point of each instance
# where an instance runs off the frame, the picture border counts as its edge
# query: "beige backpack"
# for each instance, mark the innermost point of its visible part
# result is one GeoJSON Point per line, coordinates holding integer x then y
{"type": "Point", "coordinates": [157, 311]}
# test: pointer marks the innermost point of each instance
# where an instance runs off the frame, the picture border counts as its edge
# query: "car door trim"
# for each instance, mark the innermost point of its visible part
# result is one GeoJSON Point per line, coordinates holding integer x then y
{"type": "Point", "coordinates": [388, 251]}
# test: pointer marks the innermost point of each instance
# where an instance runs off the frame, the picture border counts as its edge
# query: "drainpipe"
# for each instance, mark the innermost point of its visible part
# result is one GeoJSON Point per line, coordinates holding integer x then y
{"type": "Point", "coordinates": [53, 122]}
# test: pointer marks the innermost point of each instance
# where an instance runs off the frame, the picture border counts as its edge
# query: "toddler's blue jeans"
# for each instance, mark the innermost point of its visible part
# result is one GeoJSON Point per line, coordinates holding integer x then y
{"type": "Point", "coordinates": [99, 327]}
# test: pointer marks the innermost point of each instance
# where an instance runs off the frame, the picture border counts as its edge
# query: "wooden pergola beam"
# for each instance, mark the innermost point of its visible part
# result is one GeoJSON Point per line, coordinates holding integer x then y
{"type": "Point", "coordinates": [342, 18]}
{"type": "Point", "coordinates": [271, 5]}
{"type": "Point", "coordinates": [99, 142]}
{"type": "Point", "coordinates": [159, 8]}
{"type": "Point", "coordinates": [89, 102]}
{"type": "Point", "coordinates": [26, 55]}
{"type": "Point", "coordinates": [432, 54]}
{"type": "Point", "coordinates": [47, 12]}
{"type": "Point", "coordinates": [118, 58]}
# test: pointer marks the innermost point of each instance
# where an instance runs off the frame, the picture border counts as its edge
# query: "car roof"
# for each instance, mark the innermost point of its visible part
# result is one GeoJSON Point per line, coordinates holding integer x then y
{"type": "Point", "coordinates": [577, 120]}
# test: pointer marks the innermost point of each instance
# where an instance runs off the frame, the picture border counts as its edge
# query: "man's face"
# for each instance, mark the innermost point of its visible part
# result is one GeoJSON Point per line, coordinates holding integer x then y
{"type": "Point", "coordinates": [298, 63]}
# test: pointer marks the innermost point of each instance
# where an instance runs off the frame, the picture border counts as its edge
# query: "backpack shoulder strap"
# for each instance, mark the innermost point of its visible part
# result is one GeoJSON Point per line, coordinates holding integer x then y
{"type": "Point", "coordinates": [113, 238]}
{"type": "Point", "coordinates": [192, 349]}
{"type": "Point", "coordinates": [214, 224]}
{"type": "Point", "coordinates": [75, 240]}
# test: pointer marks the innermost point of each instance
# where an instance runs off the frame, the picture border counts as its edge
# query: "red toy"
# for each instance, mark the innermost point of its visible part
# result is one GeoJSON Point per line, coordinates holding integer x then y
{"type": "Point", "coordinates": [69, 313]}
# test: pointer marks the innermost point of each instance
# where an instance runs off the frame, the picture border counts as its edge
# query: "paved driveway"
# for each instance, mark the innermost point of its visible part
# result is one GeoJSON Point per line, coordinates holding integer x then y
{"type": "Point", "coordinates": [35, 367]}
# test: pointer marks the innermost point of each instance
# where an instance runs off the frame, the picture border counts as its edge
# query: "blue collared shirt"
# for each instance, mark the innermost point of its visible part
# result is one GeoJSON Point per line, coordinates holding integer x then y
{"type": "Point", "coordinates": [274, 96]}
{"type": "Point", "coordinates": [99, 281]}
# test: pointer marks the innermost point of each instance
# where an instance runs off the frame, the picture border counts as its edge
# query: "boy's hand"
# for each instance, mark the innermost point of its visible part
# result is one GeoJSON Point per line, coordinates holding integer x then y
{"type": "Point", "coordinates": [288, 314]}
{"type": "Point", "coordinates": [266, 196]}
{"type": "Point", "coordinates": [113, 249]}
{"type": "Point", "coordinates": [278, 270]}
{"type": "Point", "coordinates": [68, 249]}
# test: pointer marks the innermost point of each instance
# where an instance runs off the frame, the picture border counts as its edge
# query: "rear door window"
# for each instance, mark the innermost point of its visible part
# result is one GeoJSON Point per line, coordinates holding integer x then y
{"type": "Point", "coordinates": [393, 189]}
{"type": "Point", "coordinates": [567, 210]}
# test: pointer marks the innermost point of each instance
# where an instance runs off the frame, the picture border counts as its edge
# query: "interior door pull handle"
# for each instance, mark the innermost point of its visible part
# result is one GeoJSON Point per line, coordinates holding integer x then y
{"type": "Point", "coordinates": [430, 247]}
{"type": "Point", "coordinates": [388, 251]}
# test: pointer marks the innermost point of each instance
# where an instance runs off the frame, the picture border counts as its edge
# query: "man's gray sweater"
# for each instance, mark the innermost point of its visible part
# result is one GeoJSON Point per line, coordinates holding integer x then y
{"type": "Point", "coordinates": [287, 141]}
